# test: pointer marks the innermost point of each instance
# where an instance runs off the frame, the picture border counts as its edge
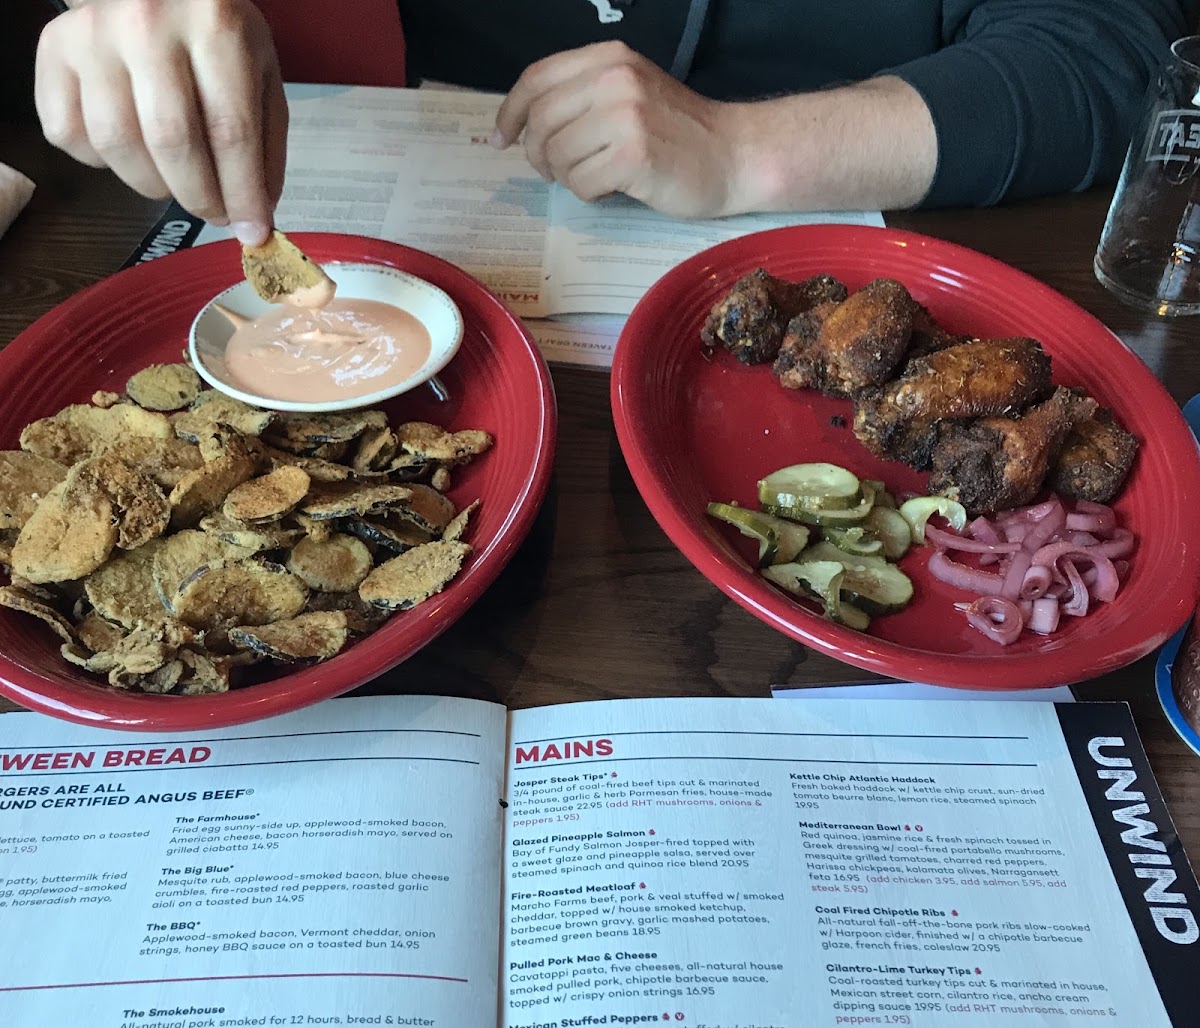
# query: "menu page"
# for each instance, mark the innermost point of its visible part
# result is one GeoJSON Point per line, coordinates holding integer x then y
{"type": "Point", "coordinates": [603, 256]}
{"type": "Point", "coordinates": [414, 166]}
{"type": "Point", "coordinates": [335, 866]}
{"type": "Point", "coordinates": [727, 863]}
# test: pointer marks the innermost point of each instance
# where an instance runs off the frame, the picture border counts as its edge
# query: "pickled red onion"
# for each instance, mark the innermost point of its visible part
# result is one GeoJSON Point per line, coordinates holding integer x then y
{"type": "Point", "coordinates": [997, 618]}
{"type": "Point", "coordinates": [1051, 562]}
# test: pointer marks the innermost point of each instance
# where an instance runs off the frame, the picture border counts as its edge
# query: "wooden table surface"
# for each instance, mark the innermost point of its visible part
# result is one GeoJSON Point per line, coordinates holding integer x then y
{"type": "Point", "coordinates": [598, 603]}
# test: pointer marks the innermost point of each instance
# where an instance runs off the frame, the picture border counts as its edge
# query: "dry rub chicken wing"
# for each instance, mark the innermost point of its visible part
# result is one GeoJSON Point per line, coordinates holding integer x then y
{"type": "Point", "coordinates": [842, 349]}
{"type": "Point", "coordinates": [997, 463]}
{"type": "Point", "coordinates": [752, 317]}
{"type": "Point", "coordinates": [929, 337]}
{"type": "Point", "coordinates": [984, 377]}
{"type": "Point", "coordinates": [1095, 460]}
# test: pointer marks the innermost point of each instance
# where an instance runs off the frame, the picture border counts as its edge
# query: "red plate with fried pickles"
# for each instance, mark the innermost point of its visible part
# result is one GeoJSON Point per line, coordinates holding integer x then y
{"type": "Point", "coordinates": [697, 426]}
{"type": "Point", "coordinates": [96, 340]}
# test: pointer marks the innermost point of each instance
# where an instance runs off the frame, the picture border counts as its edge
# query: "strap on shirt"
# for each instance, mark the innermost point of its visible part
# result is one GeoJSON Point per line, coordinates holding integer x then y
{"type": "Point", "coordinates": [693, 28]}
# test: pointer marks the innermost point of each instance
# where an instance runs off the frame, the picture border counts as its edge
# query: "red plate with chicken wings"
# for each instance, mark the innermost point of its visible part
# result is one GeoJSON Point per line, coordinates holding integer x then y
{"type": "Point", "coordinates": [696, 425]}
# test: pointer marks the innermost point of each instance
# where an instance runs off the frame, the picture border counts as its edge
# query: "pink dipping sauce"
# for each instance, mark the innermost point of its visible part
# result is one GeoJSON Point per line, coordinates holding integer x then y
{"type": "Point", "coordinates": [311, 355]}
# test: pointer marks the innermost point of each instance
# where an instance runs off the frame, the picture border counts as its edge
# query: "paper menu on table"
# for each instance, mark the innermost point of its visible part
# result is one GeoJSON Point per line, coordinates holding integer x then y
{"type": "Point", "coordinates": [918, 691]}
{"type": "Point", "coordinates": [414, 167]}
{"type": "Point", "coordinates": [601, 257]}
{"type": "Point", "coordinates": [734, 862]}
{"type": "Point", "coordinates": [333, 863]}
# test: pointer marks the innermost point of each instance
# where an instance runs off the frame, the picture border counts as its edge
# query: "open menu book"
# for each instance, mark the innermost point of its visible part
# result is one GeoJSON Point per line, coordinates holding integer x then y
{"type": "Point", "coordinates": [718, 863]}
{"type": "Point", "coordinates": [414, 166]}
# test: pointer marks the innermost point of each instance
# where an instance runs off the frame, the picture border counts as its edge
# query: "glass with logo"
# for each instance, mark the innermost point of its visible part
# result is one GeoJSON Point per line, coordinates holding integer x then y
{"type": "Point", "coordinates": [1149, 254]}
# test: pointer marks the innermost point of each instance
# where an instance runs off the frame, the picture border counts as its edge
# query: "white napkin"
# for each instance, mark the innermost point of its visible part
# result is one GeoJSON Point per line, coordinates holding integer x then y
{"type": "Point", "coordinates": [15, 191]}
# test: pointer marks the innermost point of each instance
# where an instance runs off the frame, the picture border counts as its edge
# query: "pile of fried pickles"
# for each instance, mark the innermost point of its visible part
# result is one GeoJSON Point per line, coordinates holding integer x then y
{"type": "Point", "coordinates": [173, 535]}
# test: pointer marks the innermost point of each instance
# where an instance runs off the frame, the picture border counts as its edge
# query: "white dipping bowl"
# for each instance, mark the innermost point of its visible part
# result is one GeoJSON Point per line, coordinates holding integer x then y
{"type": "Point", "coordinates": [211, 331]}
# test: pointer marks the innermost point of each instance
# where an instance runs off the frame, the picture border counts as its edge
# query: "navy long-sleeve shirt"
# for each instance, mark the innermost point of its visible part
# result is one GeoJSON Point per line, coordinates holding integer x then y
{"type": "Point", "coordinates": [1028, 97]}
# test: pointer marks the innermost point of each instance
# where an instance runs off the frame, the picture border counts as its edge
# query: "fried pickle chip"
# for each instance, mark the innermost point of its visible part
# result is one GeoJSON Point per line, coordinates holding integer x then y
{"type": "Point", "coordinates": [59, 544]}
{"type": "Point", "coordinates": [8, 536]}
{"type": "Point", "coordinates": [161, 680]}
{"type": "Point", "coordinates": [304, 433]}
{"type": "Point", "coordinates": [280, 268]}
{"type": "Point", "coordinates": [26, 603]}
{"type": "Point", "coordinates": [123, 590]}
{"type": "Point", "coordinates": [347, 499]}
{"type": "Point", "coordinates": [78, 431]}
{"type": "Point", "coordinates": [317, 469]}
{"type": "Point", "coordinates": [97, 633]}
{"type": "Point", "coordinates": [440, 480]}
{"type": "Point", "coordinates": [181, 554]}
{"type": "Point", "coordinates": [407, 467]}
{"type": "Point", "coordinates": [142, 652]}
{"type": "Point", "coordinates": [321, 531]}
{"type": "Point", "coordinates": [211, 409]}
{"type": "Point", "coordinates": [104, 398]}
{"type": "Point", "coordinates": [243, 592]}
{"type": "Point", "coordinates": [202, 491]}
{"type": "Point", "coordinates": [203, 673]}
{"type": "Point", "coordinates": [24, 479]}
{"type": "Point", "coordinates": [426, 508]}
{"type": "Point", "coordinates": [97, 663]}
{"type": "Point", "coordinates": [254, 539]}
{"type": "Point", "coordinates": [164, 387]}
{"type": "Point", "coordinates": [457, 527]}
{"type": "Point", "coordinates": [225, 441]}
{"type": "Point", "coordinates": [414, 576]}
{"type": "Point", "coordinates": [139, 505]}
{"type": "Point", "coordinates": [336, 566]}
{"type": "Point", "coordinates": [389, 532]}
{"type": "Point", "coordinates": [376, 448]}
{"type": "Point", "coordinates": [304, 639]}
{"type": "Point", "coordinates": [361, 618]}
{"type": "Point", "coordinates": [269, 498]}
{"type": "Point", "coordinates": [164, 460]}
{"type": "Point", "coordinates": [432, 442]}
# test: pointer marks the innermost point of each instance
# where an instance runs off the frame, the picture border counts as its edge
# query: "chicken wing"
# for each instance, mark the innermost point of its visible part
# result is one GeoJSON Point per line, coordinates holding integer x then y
{"type": "Point", "coordinates": [929, 337]}
{"type": "Point", "coordinates": [750, 320]}
{"type": "Point", "coordinates": [983, 377]}
{"type": "Point", "coordinates": [842, 349]}
{"type": "Point", "coordinates": [1095, 460]}
{"type": "Point", "coordinates": [998, 463]}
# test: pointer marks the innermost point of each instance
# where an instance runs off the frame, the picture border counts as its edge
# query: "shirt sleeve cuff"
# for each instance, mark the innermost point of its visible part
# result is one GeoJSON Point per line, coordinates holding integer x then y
{"type": "Point", "coordinates": [976, 117]}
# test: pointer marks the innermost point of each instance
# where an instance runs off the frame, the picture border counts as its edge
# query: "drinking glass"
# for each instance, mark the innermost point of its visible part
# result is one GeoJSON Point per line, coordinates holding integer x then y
{"type": "Point", "coordinates": [1149, 254]}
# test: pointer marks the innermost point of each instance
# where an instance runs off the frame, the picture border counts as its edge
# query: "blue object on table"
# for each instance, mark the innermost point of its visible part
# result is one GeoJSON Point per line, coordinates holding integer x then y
{"type": "Point", "coordinates": [1166, 656]}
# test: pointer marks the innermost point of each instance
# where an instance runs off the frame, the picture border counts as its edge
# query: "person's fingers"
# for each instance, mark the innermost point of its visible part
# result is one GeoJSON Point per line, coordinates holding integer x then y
{"type": "Point", "coordinates": [59, 106]}
{"type": "Point", "coordinates": [576, 142]}
{"type": "Point", "coordinates": [538, 79]}
{"type": "Point", "coordinates": [173, 129]}
{"type": "Point", "coordinates": [275, 129]}
{"type": "Point", "coordinates": [595, 176]}
{"type": "Point", "coordinates": [111, 122]}
{"type": "Point", "coordinates": [230, 87]}
{"type": "Point", "coordinates": [549, 116]}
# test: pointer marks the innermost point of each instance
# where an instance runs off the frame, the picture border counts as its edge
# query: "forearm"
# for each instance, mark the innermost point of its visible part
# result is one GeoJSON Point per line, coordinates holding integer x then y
{"type": "Point", "coordinates": [868, 146]}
